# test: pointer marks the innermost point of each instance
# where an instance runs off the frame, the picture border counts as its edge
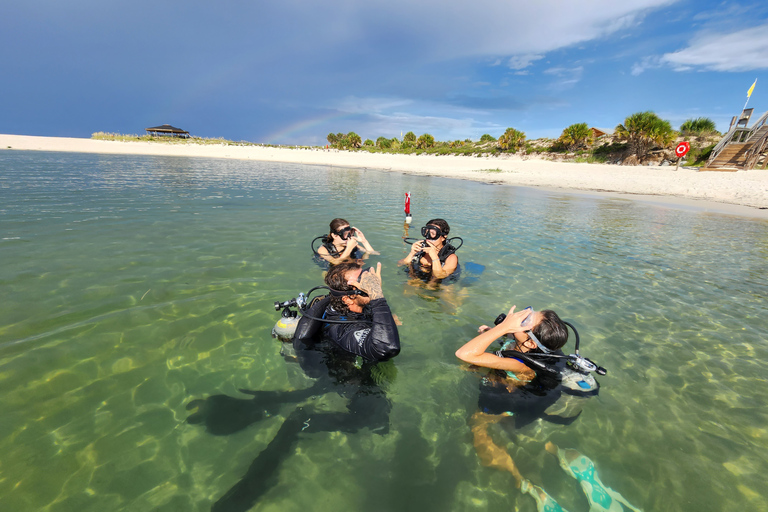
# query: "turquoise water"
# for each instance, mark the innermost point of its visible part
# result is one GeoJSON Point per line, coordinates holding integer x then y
{"type": "Point", "coordinates": [133, 285]}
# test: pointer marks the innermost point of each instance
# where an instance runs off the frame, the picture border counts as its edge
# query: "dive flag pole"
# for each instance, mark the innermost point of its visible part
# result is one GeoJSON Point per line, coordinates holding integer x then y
{"type": "Point", "coordinates": [408, 217]}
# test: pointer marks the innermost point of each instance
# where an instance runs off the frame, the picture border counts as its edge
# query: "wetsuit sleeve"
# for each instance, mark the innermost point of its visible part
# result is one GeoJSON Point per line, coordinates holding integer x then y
{"type": "Point", "coordinates": [308, 327]}
{"type": "Point", "coordinates": [376, 342]}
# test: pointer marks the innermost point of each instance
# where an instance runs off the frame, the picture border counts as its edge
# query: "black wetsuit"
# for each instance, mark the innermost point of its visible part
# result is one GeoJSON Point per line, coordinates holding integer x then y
{"type": "Point", "coordinates": [371, 334]}
{"type": "Point", "coordinates": [327, 353]}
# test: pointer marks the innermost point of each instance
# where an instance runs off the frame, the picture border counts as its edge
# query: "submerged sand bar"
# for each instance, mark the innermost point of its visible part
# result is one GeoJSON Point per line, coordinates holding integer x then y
{"type": "Point", "coordinates": [740, 193]}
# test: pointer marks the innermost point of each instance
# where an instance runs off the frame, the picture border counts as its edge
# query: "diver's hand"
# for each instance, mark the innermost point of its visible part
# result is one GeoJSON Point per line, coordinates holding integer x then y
{"type": "Point", "coordinates": [416, 248]}
{"type": "Point", "coordinates": [359, 234]}
{"type": "Point", "coordinates": [370, 283]}
{"type": "Point", "coordinates": [483, 328]}
{"type": "Point", "coordinates": [511, 324]}
{"type": "Point", "coordinates": [431, 250]}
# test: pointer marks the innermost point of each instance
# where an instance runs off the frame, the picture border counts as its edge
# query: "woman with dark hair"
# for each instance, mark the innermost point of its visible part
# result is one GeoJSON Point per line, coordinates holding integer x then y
{"type": "Point", "coordinates": [516, 394]}
{"type": "Point", "coordinates": [344, 243]}
{"type": "Point", "coordinates": [434, 257]}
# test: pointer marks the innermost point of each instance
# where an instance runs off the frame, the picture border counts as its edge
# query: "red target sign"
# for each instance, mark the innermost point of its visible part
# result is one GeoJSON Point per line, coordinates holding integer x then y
{"type": "Point", "coordinates": [682, 149]}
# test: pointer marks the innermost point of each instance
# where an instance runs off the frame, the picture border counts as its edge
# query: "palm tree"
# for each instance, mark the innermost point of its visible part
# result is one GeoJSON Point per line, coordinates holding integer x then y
{"type": "Point", "coordinates": [384, 143]}
{"type": "Point", "coordinates": [425, 141]}
{"type": "Point", "coordinates": [409, 137]}
{"type": "Point", "coordinates": [576, 136]}
{"type": "Point", "coordinates": [511, 140]}
{"type": "Point", "coordinates": [355, 141]}
{"type": "Point", "coordinates": [700, 127]}
{"type": "Point", "coordinates": [643, 131]}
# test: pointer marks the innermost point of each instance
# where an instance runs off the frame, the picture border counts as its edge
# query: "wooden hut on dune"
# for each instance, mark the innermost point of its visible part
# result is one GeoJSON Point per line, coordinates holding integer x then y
{"type": "Point", "coordinates": [167, 130]}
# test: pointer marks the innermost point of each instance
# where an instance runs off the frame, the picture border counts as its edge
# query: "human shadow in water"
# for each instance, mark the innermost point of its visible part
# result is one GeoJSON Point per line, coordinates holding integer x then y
{"type": "Point", "coordinates": [367, 406]}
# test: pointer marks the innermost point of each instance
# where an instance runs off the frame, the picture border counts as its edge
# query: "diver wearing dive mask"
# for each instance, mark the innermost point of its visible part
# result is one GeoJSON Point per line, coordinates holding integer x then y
{"type": "Point", "coordinates": [433, 257]}
{"type": "Point", "coordinates": [343, 243]}
{"type": "Point", "coordinates": [355, 315]}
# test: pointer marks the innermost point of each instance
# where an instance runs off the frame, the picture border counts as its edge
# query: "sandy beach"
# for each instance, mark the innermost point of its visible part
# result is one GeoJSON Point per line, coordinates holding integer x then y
{"type": "Point", "coordinates": [739, 193]}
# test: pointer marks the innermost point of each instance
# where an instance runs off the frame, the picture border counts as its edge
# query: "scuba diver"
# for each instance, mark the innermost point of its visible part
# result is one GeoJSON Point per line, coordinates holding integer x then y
{"type": "Point", "coordinates": [434, 257]}
{"type": "Point", "coordinates": [355, 315]}
{"type": "Point", "coordinates": [344, 341]}
{"type": "Point", "coordinates": [342, 243]}
{"type": "Point", "coordinates": [532, 379]}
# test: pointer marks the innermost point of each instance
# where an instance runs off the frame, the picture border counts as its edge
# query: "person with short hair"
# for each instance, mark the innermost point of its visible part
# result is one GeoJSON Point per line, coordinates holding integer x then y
{"type": "Point", "coordinates": [434, 257]}
{"type": "Point", "coordinates": [355, 315]}
{"type": "Point", "coordinates": [343, 243]}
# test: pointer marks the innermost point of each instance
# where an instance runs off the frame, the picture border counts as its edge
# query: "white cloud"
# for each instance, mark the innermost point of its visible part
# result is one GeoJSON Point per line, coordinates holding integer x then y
{"type": "Point", "coordinates": [523, 61]}
{"type": "Point", "coordinates": [743, 50]}
{"type": "Point", "coordinates": [646, 63]}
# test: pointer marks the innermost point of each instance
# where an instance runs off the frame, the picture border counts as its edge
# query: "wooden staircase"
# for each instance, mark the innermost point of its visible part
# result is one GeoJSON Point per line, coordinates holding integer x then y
{"type": "Point", "coordinates": [730, 159]}
{"type": "Point", "coordinates": [740, 148]}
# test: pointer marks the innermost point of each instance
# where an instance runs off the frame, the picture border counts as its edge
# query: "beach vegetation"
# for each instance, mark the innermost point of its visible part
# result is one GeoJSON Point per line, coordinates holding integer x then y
{"type": "Point", "coordinates": [409, 137]}
{"type": "Point", "coordinates": [425, 141]}
{"type": "Point", "coordinates": [576, 136]}
{"type": "Point", "coordinates": [644, 131]}
{"type": "Point", "coordinates": [511, 140]}
{"type": "Point", "coordinates": [487, 138]}
{"type": "Point", "coordinates": [383, 143]}
{"type": "Point", "coordinates": [698, 156]}
{"type": "Point", "coordinates": [368, 142]}
{"type": "Point", "coordinates": [699, 127]}
{"type": "Point", "coordinates": [354, 140]}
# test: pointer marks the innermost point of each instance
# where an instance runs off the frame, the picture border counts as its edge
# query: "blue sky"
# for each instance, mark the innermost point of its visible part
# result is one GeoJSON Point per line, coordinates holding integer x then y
{"type": "Point", "coordinates": [290, 72]}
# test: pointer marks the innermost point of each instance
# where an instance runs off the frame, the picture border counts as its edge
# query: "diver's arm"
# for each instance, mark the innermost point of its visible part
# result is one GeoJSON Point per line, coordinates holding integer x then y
{"type": "Point", "coordinates": [415, 247]}
{"type": "Point", "coordinates": [363, 242]}
{"type": "Point", "coordinates": [344, 256]}
{"type": "Point", "coordinates": [309, 323]}
{"type": "Point", "coordinates": [441, 271]}
{"type": "Point", "coordinates": [474, 351]}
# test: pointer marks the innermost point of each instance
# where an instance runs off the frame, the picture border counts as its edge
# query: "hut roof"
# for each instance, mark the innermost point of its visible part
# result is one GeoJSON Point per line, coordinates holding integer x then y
{"type": "Point", "coordinates": [165, 128]}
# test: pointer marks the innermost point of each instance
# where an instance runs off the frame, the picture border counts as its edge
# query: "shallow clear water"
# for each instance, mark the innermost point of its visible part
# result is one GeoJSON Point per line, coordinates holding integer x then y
{"type": "Point", "coordinates": [133, 285]}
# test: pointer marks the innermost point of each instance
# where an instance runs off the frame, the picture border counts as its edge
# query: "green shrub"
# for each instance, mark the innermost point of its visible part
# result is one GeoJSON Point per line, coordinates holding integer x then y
{"type": "Point", "coordinates": [701, 126]}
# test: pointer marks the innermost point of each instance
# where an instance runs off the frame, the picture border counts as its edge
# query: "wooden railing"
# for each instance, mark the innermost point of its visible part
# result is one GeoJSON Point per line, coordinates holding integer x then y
{"type": "Point", "coordinates": [737, 134]}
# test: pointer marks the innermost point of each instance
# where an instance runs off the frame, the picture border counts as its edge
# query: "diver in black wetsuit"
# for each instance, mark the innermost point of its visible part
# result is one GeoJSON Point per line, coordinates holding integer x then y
{"type": "Point", "coordinates": [340, 356]}
{"type": "Point", "coordinates": [355, 315]}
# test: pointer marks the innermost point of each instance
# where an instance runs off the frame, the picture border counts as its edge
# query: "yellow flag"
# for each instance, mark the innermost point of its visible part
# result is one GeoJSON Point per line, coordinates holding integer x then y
{"type": "Point", "coordinates": [749, 92]}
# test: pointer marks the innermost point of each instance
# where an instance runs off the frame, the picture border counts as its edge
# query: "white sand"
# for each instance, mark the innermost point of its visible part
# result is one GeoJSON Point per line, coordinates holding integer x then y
{"type": "Point", "coordinates": [740, 193]}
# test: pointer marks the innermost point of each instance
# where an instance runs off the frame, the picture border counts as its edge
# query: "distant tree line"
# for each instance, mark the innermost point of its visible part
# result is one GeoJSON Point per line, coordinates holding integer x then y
{"type": "Point", "coordinates": [639, 134]}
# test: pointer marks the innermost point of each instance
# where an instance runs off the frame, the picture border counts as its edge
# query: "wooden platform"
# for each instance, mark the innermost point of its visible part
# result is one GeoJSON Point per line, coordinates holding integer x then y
{"type": "Point", "coordinates": [721, 169]}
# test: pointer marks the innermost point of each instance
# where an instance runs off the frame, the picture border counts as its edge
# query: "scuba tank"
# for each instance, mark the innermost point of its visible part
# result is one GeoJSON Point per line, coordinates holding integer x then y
{"type": "Point", "coordinates": [286, 325]}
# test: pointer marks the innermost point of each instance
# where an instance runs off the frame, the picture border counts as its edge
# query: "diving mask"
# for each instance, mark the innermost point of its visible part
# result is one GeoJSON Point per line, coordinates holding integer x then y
{"type": "Point", "coordinates": [345, 232]}
{"type": "Point", "coordinates": [428, 230]}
